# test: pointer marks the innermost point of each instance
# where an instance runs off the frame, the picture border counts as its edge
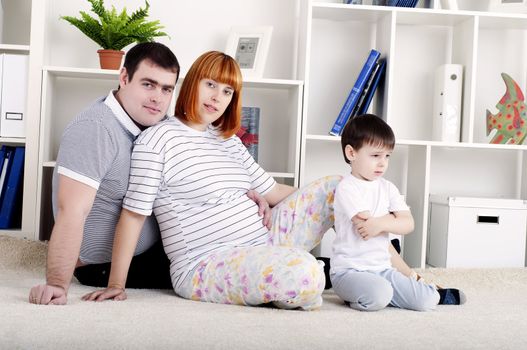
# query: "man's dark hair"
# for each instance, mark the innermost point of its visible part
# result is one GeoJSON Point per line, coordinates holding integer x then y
{"type": "Point", "coordinates": [366, 129]}
{"type": "Point", "coordinates": [157, 53]}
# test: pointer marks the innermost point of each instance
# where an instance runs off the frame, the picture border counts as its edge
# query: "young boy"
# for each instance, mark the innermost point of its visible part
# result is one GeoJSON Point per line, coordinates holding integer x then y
{"type": "Point", "coordinates": [361, 272]}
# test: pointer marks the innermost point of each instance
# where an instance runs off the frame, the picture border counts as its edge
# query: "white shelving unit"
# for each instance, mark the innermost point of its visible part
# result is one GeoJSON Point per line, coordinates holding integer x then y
{"type": "Point", "coordinates": [71, 79]}
{"type": "Point", "coordinates": [337, 40]}
{"type": "Point", "coordinates": [15, 24]}
{"type": "Point", "coordinates": [316, 52]}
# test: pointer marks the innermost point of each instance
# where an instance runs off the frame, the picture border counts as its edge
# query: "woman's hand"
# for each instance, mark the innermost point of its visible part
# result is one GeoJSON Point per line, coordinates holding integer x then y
{"type": "Point", "coordinates": [113, 293]}
{"type": "Point", "coordinates": [263, 207]}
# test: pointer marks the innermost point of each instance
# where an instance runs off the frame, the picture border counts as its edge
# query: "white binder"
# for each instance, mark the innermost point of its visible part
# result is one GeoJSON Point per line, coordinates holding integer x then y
{"type": "Point", "coordinates": [13, 95]}
{"type": "Point", "coordinates": [447, 103]}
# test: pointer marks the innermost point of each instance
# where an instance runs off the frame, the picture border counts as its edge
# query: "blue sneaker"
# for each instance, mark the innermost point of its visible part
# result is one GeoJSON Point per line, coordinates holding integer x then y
{"type": "Point", "coordinates": [451, 296]}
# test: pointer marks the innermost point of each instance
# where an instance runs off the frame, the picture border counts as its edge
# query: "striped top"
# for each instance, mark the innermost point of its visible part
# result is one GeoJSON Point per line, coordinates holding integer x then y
{"type": "Point", "coordinates": [95, 150]}
{"type": "Point", "coordinates": [196, 184]}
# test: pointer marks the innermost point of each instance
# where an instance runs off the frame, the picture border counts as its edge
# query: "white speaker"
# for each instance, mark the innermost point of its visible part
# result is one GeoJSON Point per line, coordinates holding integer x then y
{"type": "Point", "coordinates": [447, 103]}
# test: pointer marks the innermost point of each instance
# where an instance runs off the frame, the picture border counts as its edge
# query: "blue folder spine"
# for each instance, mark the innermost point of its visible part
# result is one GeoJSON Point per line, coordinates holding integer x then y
{"type": "Point", "coordinates": [374, 85]}
{"type": "Point", "coordinates": [354, 94]}
{"type": "Point", "coordinates": [13, 185]}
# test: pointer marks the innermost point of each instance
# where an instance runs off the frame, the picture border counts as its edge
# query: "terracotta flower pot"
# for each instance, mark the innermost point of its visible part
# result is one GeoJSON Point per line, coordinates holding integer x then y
{"type": "Point", "coordinates": [110, 59]}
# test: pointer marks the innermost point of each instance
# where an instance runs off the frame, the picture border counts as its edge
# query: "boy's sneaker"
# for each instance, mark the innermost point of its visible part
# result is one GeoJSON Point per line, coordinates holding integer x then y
{"type": "Point", "coordinates": [447, 296]}
{"type": "Point", "coordinates": [451, 296]}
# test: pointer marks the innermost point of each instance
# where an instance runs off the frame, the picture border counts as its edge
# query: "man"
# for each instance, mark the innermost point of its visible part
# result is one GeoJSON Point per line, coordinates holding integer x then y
{"type": "Point", "coordinates": [91, 178]}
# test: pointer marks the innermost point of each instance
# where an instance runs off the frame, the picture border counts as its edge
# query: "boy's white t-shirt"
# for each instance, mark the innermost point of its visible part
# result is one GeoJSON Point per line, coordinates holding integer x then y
{"type": "Point", "coordinates": [353, 196]}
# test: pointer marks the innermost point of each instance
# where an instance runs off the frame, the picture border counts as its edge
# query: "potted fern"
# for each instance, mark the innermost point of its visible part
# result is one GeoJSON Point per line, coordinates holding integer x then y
{"type": "Point", "coordinates": [113, 31]}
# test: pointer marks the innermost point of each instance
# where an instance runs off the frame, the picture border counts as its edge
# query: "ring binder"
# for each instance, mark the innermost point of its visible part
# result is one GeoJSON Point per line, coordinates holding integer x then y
{"type": "Point", "coordinates": [447, 103]}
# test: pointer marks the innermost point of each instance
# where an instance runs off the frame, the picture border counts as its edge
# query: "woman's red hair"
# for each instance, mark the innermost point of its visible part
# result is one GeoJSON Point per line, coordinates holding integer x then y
{"type": "Point", "coordinates": [223, 69]}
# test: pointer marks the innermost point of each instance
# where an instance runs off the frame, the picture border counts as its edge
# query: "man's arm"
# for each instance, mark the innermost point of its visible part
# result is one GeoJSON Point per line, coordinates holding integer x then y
{"type": "Point", "coordinates": [127, 234]}
{"type": "Point", "coordinates": [75, 200]}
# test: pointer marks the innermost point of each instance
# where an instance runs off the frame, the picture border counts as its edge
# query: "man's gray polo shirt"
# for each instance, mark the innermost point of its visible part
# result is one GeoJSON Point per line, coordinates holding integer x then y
{"type": "Point", "coordinates": [95, 149]}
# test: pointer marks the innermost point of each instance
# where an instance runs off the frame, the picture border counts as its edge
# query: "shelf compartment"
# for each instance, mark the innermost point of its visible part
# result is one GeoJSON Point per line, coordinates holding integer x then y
{"type": "Point", "coordinates": [494, 173]}
{"type": "Point", "coordinates": [279, 130]}
{"type": "Point", "coordinates": [61, 102]}
{"type": "Point", "coordinates": [279, 101]}
{"type": "Point", "coordinates": [336, 54]}
{"type": "Point", "coordinates": [502, 21]}
{"type": "Point", "coordinates": [419, 50]}
{"type": "Point", "coordinates": [501, 49]}
{"type": "Point", "coordinates": [15, 17]}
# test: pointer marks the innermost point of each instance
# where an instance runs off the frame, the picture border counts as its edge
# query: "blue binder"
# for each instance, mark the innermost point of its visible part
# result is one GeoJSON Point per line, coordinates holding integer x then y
{"type": "Point", "coordinates": [4, 168]}
{"type": "Point", "coordinates": [354, 94]}
{"type": "Point", "coordinates": [375, 83]}
{"type": "Point", "coordinates": [11, 200]}
{"type": "Point", "coordinates": [2, 157]}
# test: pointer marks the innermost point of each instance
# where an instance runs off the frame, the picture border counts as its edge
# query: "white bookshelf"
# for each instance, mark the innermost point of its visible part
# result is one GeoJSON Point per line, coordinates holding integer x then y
{"type": "Point", "coordinates": [337, 40]}
{"type": "Point", "coordinates": [71, 79]}
{"type": "Point", "coordinates": [15, 24]}
{"type": "Point", "coordinates": [316, 52]}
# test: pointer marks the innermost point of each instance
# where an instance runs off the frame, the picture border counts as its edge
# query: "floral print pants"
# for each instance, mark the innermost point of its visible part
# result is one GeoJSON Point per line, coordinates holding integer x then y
{"type": "Point", "coordinates": [283, 271]}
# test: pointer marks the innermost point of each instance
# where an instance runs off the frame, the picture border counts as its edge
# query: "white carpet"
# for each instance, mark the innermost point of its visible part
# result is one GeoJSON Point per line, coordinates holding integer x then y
{"type": "Point", "coordinates": [494, 317]}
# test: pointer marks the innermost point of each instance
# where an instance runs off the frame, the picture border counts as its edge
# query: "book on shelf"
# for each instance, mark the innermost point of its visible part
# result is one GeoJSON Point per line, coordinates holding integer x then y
{"type": "Point", "coordinates": [370, 90]}
{"type": "Point", "coordinates": [249, 130]}
{"type": "Point", "coordinates": [11, 198]}
{"type": "Point", "coordinates": [355, 92]}
{"type": "Point", "coordinates": [402, 3]}
{"type": "Point", "coordinates": [366, 90]}
{"type": "Point", "coordinates": [5, 162]}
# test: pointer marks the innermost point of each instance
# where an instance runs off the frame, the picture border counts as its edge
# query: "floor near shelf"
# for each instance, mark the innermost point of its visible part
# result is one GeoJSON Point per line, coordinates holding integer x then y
{"type": "Point", "coordinates": [495, 316]}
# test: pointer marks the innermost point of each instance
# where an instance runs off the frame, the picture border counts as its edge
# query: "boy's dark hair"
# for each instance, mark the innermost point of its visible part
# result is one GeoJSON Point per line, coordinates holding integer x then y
{"type": "Point", "coordinates": [366, 129]}
{"type": "Point", "coordinates": [155, 52]}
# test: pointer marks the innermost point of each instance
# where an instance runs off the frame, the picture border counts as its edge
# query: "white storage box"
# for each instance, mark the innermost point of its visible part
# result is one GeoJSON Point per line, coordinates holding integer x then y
{"type": "Point", "coordinates": [476, 232]}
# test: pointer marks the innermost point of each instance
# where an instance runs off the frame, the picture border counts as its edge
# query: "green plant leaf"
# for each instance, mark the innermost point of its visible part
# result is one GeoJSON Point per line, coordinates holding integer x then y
{"type": "Point", "coordinates": [113, 30]}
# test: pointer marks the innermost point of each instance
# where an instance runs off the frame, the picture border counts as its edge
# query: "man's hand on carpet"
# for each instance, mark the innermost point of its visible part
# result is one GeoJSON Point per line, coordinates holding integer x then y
{"type": "Point", "coordinates": [45, 294]}
{"type": "Point", "coordinates": [114, 293]}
